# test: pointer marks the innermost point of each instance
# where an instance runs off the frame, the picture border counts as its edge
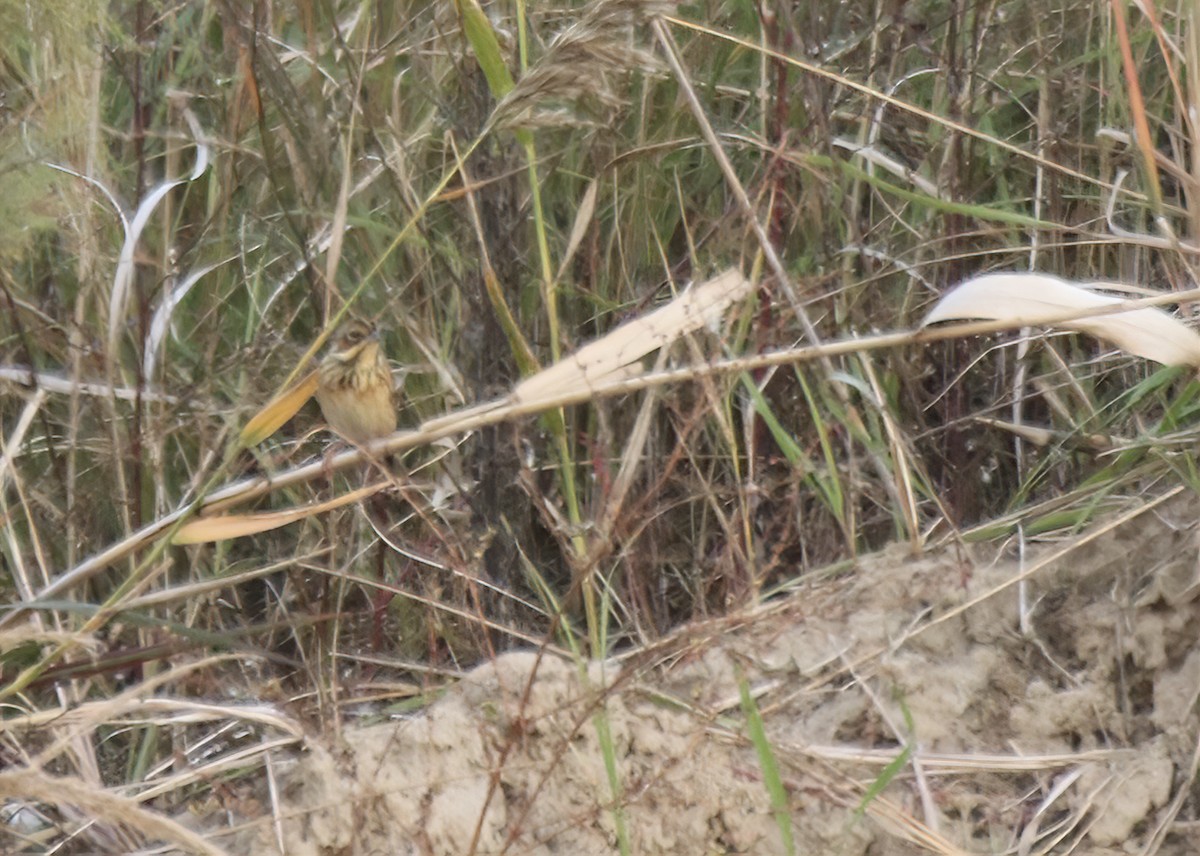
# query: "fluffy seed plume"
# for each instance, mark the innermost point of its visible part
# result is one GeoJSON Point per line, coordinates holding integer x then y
{"type": "Point", "coordinates": [579, 64]}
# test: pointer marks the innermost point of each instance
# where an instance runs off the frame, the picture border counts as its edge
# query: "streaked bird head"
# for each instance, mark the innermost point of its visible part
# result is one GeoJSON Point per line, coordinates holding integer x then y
{"type": "Point", "coordinates": [354, 341]}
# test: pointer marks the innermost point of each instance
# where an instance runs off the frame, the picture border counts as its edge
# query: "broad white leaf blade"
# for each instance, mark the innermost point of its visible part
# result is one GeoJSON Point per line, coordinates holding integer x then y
{"type": "Point", "coordinates": [615, 355]}
{"type": "Point", "coordinates": [1030, 299]}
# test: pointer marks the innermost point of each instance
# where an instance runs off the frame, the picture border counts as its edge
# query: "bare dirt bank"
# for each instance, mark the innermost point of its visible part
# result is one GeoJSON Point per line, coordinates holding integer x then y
{"type": "Point", "coordinates": [1081, 731]}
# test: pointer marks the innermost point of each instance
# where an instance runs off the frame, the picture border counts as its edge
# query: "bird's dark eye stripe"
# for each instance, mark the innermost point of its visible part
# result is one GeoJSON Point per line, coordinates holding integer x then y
{"type": "Point", "coordinates": [353, 335]}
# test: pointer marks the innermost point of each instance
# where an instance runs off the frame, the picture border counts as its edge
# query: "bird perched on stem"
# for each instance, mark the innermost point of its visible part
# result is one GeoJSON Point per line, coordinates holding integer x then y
{"type": "Point", "coordinates": [354, 385]}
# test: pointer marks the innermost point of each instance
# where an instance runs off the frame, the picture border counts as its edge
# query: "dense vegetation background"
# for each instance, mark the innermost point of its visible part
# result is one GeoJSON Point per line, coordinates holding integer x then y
{"type": "Point", "coordinates": [190, 192]}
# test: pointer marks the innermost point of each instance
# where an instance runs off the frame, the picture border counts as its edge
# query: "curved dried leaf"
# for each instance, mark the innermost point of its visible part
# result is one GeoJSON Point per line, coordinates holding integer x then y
{"type": "Point", "coordinates": [280, 409]}
{"type": "Point", "coordinates": [119, 298]}
{"type": "Point", "coordinates": [583, 219]}
{"type": "Point", "coordinates": [225, 527]}
{"type": "Point", "coordinates": [1029, 299]}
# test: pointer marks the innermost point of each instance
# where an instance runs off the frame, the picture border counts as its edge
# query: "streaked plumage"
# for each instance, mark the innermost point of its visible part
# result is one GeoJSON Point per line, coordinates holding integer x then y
{"type": "Point", "coordinates": [355, 385]}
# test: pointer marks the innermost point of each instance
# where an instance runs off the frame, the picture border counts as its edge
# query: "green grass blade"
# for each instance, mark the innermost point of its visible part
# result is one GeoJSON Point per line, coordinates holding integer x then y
{"type": "Point", "coordinates": [780, 803]}
{"type": "Point", "coordinates": [485, 46]}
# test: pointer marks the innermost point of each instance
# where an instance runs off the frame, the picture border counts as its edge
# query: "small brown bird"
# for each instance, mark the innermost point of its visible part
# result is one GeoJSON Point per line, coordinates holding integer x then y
{"type": "Point", "coordinates": [354, 386]}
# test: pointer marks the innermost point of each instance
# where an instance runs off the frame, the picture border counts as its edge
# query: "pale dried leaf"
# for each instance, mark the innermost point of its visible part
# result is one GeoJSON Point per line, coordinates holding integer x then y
{"type": "Point", "coordinates": [1029, 433]}
{"type": "Point", "coordinates": [583, 219]}
{"type": "Point", "coordinates": [1029, 299]}
{"type": "Point", "coordinates": [1045, 436]}
{"type": "Point", "coordinates": [228, 526]}
{"type": "Point", "coordinates": [279, 410]}
{"type": "Point", "coordinates": [157, 336]}
{"type": "Point", "coordinates": [119, 298]}
{"type": "Point", "coordinates": [617, 354]}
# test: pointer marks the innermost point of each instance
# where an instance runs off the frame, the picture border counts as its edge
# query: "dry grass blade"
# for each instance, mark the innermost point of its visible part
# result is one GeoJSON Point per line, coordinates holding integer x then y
{"type": "Point", "coordinates": [1044, 437]}
{"type": "Point", "coordinates": [89, 715]}
{"type": "Point", "coordinates": [10, 447]}
{"type": "Point", "coordinates": [124, 275]}
{"type": "Point", "coordinates": [1028, 299]}
{"type": "Point", "coordinates": [156, 338]}
{"type": "Point", "coordinates": [903, 825]}
{"type": "Point", "coordinates": [583, 220]}
{"type": "Point", "coordinates": [280, 409]}
{"type": "Point", "coordinates": [962, 762]}
{"type": "Point", "coordinates": [53, 382]}
{"type": "Point", "coordinates": [617, 354]}
{"type": "Point", "coordinates": [204, 530]}
{"type": "Point", "coordinates": [103, 807]}
{"type": "Point", "coordinates": [1029, 433]}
